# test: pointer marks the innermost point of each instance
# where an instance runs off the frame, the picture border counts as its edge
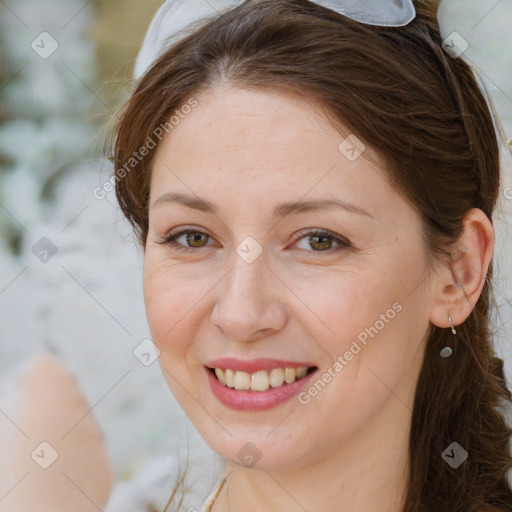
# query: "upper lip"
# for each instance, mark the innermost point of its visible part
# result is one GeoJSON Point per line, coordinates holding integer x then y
{"type": "Point", "coordinates": [254, 365]}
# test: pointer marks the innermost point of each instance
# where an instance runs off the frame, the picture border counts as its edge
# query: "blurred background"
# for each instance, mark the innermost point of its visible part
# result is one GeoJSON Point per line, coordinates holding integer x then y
{"type": "Point", "coordinates": [70, 273]}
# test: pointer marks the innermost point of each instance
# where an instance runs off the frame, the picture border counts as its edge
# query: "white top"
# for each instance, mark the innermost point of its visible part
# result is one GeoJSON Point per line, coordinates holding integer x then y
{"type": "Point", "coordinates": [208, 503]}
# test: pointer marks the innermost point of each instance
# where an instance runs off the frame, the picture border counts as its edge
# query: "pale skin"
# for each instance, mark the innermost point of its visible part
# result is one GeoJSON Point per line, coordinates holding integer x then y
{"type": "Point", "coordinates": [346, 449]}
{"type": "Point", "coordinates": [247, 152]}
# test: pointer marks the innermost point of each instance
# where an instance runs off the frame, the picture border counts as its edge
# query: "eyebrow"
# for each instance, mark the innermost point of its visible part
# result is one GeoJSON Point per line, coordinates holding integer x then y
{"type": "Point", "coordinates": [281, 210]}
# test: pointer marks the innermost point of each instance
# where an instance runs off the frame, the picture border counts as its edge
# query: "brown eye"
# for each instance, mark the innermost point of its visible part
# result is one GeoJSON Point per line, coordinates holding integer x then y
{"type": "Point", "coordinates": [196, 239]}
{"type": "Point", "coordinates": [190, 239]}
{"type": "Point", "coordinates": [320, 241]}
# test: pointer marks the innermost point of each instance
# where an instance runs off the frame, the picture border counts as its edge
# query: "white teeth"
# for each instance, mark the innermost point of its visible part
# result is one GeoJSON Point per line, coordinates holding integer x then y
{"type": "Point", "coordinates": [276, 377]}
{"type": "Point", "coordinates": [230, 378]}
{"type": "Point", "coordinates": [242, 380]}
{"type": "Point", "coordinates": [220, 375]}
{"type": "Point", "coordinates": [261, 380]}
{"type": "Point", "coordinates": [289, 375]}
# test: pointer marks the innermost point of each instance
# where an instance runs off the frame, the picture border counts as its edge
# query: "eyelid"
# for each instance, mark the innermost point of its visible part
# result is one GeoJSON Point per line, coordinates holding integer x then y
{"type": "Point", "coordinates": [318, 231]}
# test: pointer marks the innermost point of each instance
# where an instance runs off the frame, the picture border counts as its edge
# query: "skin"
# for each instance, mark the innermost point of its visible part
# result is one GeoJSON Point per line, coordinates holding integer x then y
{"type": "Point", "coordinates": [246, 152]}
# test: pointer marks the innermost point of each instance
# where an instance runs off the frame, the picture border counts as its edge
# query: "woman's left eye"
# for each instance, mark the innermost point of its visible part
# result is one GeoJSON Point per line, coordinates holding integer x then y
{"type": "Point", "coordinates": [322, 241]}
{"type": "Point", "coordinates": [318, 240]}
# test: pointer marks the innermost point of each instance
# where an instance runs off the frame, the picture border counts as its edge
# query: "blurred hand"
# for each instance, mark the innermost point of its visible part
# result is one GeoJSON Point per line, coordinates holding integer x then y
{"type": "Point", "coordinates": [53, 456]}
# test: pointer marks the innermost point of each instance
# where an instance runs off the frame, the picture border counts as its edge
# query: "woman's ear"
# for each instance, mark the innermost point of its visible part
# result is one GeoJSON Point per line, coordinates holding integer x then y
{"type": "Point", "coordinates": [460, 281]}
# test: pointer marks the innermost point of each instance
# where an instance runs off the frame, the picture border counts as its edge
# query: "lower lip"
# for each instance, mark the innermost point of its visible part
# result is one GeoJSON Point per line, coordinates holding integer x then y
{"type": "Point", "coordinates": [255, 400]}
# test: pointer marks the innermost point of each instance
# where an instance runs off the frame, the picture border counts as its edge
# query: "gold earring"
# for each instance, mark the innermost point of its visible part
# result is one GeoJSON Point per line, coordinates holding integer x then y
{"type": "Point", "coordinates": [451, 325]}
{"type": "Point", "coordinates": [447, 351]}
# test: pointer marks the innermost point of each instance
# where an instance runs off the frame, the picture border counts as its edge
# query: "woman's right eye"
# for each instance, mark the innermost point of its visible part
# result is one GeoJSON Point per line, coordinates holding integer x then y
{"type": "Point", "coordinates": [191, 239]}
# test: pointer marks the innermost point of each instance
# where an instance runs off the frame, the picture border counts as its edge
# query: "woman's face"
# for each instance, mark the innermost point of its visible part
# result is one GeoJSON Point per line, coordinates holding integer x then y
{"type": "Point", "coordinates": [289, 249]}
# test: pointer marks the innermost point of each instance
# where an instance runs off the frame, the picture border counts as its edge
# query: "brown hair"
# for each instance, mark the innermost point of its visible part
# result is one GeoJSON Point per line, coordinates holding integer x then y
{"type": "Point", "coordinates": [424, 113]}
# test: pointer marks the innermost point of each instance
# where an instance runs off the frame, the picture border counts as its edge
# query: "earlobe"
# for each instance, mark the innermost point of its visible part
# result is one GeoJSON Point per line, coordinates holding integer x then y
{"type": "Point", "coordinates": [461, 280]}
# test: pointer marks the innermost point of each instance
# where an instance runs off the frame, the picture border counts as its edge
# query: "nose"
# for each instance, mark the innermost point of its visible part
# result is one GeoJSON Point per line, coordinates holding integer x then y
{"type": "Point", "coordinates": [249, 305]}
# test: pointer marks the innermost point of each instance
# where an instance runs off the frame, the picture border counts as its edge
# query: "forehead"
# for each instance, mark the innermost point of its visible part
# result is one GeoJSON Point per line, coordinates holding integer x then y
{"type": "Point", "coordinates": [260, 145]}
{"type": "Point", "coordinates": [240, 121]}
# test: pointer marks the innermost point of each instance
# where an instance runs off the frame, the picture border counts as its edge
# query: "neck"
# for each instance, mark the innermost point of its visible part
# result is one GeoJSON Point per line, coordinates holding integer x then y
{"type": "Point", "coordinates": [367, 472]}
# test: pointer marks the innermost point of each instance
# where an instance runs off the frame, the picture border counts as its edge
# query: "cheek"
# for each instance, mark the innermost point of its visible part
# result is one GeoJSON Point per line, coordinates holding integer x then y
{"type": "Point", "coordinates": [341, 305]}
{"type": "Point", "coordinates": [172, 309]}
{"type": "Point", "coordinates": [169, 301]}
{"type": "Point", "coordinates": [363, 321]}
{"type": "Point", "coordinates": [178, 301]}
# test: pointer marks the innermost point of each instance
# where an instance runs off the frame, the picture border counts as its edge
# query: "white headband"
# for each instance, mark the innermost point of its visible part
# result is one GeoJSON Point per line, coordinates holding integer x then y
{"type": "Point", "coordinates": [175, 16]}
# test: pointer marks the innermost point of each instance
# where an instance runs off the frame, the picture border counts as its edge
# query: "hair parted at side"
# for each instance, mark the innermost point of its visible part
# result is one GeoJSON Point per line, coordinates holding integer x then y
{"type": "Point", "coordinates": [424, 113]}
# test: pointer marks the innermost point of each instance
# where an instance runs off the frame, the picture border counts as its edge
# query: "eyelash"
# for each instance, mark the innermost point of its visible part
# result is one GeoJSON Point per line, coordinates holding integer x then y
{"type": "Point", "coordinates": [343, 243]}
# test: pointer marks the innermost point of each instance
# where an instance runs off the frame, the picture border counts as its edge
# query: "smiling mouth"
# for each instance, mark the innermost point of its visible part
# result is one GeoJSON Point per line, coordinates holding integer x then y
{"type": "Point", "coordinates": [260, 381]}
